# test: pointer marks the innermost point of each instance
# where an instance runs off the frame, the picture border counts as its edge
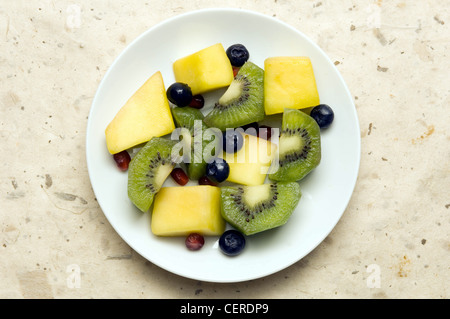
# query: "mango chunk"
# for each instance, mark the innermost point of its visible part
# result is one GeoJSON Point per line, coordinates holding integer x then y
{"type": "Point", "coordinates": [179, 211]}
{"type": "Point", "coordinates": [249, 165]}
{"type": "Point", "coordinates": [205, 70]}
{"type": "Point", "coordinates": [289, 82]}
{"type": "Point", "coordinates": [146, 114]}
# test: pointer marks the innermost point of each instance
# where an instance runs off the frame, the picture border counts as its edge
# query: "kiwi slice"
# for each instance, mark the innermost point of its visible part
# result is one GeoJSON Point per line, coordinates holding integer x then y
{"type": "Point", "coordinates": [243, 101]}
{"type": "Point", "coordinates": [253, 209]}
{"type": "Point", "coordinates": [299, 148]}
{"type": "Point", "coordinates": [185, 117]}
{"type": "Point", "coordinates": [197, 166]}
{"type": "Point", "coordinates": [148, 170]}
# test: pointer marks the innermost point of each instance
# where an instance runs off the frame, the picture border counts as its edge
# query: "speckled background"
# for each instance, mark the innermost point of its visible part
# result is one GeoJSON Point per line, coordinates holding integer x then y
{"type": "Point", "coordinates": [393, 239]}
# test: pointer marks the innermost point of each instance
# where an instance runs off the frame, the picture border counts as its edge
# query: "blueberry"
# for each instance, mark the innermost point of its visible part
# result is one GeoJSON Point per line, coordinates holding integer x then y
{"type": "Point", "coordinates": [232, 140]}
{"type": "Point", "coordinates": [238, 54]}
{"type": "Point", "coordinates": [232, 242]}
{"type": "Point", "coordinates": [323, 114]}
{"type": "Point", "coordinates": [218, 170]}
{"type": "Point", "coordinates": [179, 94]}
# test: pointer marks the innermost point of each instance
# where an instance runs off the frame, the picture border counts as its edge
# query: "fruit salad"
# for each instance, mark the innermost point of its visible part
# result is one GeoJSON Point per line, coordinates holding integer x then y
{"type": "Point", "coordinates": [230, 169]}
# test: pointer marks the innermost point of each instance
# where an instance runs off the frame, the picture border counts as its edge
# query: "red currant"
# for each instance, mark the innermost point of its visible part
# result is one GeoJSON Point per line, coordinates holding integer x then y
{"type": "Point", "coordinates": [197, 101]}
{"type": "Point", "coordinates": [194, 241]}
{"type": "Point", "coordinates": [122, 160]}
{"type": "Point", "coordinates": [235, 70]}
{"type": "Point", "coordinates": [206, 181]}
{"type": "Point", "coordinates": [179, 176]}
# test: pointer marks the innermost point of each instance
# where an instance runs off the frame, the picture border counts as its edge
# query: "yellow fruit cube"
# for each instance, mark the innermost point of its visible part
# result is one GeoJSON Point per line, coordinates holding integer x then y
{"type": "Point", "coordinates": [289, 82]}
{"type": "Point", "coordinates": [249, 165]}
{"type": "Point", "coordinates": [205, 70]}
{"type": "Point", "coordinates": [145, 115]}
{"type": "Point", "coordinates": [179, 211]}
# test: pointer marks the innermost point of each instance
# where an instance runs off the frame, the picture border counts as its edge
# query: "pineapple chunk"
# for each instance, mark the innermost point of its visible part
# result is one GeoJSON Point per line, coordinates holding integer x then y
{"type": "Point", "coordinates": [179, 211]}
{"type": "Point", "coordinates": [289, 82]}
{"type": "Point", "coordinates": [249, 165]}
{"type": "Point", "coordinates": [145, 115]}
{"type": "Point", "coordinates": [205, 70]}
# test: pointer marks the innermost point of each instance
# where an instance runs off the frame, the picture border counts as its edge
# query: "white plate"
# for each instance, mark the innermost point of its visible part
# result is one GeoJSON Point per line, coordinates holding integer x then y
{"type": "Point", "coordinates": [326, 191]}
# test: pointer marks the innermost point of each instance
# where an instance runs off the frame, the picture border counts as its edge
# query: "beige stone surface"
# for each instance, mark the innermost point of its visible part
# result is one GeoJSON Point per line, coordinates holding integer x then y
{"type": "Point", "coordinates": [393, 239]}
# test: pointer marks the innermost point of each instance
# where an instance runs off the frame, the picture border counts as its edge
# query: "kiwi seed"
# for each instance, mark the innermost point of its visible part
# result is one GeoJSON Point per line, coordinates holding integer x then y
{"type": "Point", "coordinates": [252, 209]}
{"type": "Point", "coordinates": [250, 212]}
{"type": "Point", "coordinates": [155, 164]}
{"type": "Point", "coordinates": [244, 83]}
{"type": "Point", "coordinates": [297, 154]}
